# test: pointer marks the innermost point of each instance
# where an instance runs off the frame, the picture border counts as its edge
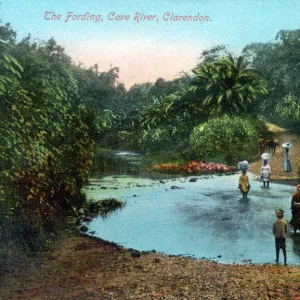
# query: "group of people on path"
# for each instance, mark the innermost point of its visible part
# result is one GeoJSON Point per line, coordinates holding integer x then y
{"type": "Point", "coordinates": [280, 226]}
{"type": "Point", "coordinates": [271, 144]}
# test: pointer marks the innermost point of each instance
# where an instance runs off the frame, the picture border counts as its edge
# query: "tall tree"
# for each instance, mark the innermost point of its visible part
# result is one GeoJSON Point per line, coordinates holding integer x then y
{"type": "Point", "coordinates": [227, 86]}
{"type": "Point", "coordinates": [279, 62]}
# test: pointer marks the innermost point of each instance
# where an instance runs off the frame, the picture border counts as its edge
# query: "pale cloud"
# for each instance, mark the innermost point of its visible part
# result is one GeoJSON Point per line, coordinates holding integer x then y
{"type": "Point", "coordinates": [139, 61]}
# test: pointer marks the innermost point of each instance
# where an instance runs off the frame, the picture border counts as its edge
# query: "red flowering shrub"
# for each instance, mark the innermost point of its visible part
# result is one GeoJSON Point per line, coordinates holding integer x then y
{"type": "Point", "coordinates": [194, 167]}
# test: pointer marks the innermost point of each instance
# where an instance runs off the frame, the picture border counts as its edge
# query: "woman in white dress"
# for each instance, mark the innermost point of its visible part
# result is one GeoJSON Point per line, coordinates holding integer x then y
{"type": "Point", "coordinates": [286, 163]}
{"type": "Point", "coordinates": [265, 173]}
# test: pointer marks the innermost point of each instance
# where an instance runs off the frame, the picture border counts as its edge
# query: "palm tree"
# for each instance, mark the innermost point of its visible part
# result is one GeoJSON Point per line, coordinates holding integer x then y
{"type": "Point", "coordinates": [227, 86]}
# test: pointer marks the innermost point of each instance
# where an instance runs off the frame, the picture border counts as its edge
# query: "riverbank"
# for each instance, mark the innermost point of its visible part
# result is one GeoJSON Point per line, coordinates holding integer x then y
{"type": "Point", "coordinates": [89, 268]}
{"type": "Point", "coordinates": [82, 267]}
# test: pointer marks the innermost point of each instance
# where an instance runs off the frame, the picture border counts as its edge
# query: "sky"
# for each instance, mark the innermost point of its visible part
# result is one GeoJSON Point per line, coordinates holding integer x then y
{"type": "Point", "coordinates": [141, 37]}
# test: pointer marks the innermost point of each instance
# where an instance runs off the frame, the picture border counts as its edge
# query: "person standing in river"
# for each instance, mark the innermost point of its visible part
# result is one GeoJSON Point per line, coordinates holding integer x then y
{"type": "Point", "coordinates": [280, 231]}
{"type": "Point", "coordinates": [265, 173]}
{"type": "Point", "coordinates": [244, 185]}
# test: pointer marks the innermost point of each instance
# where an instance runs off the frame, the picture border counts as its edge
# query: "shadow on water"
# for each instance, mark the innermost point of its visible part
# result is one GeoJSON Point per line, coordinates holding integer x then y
{"type": "Point", "coordinates": [245, 200]}
{"type": "Point", "coordinates": [244, 205]}
{"type": "Point", "coordinates": [265, 193]}
{"type": "Point", "coordinates": [295, 238]}
{"type": "Point", "coordinates": [218, 195]}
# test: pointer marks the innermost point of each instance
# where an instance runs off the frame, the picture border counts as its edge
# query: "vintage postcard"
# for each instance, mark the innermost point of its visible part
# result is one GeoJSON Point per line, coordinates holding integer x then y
{"type": "Point", "coordinates": [149, 149]}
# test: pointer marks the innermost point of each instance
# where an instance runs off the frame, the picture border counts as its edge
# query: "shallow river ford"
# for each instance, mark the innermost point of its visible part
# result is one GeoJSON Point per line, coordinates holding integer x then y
{"type": "Point", "coordinates": [203, 219]}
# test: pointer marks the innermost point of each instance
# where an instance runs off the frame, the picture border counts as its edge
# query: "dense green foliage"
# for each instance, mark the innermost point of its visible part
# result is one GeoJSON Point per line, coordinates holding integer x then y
{"type": "Point", "coordinates": [229, 139]}
{"type": "Point", "coordinates": [182, 106]}
{"type": "Point", "coordinates": [279, 62]}
{"type": "Point", "coordinates": [289, 109]}
{"type": "Point", "coordinates": [45, 150]}
{"type": "Point", "coordinates": [227, 86]}
{"type": "Point", "coordinates": [54, 114]}
{"type": "Point", "coordinates": [99, 98]}
{"type": "Point", "coordinates": [46, 153]}
{"type": "Point", "coordinates": [166, 137]}
{"type": "Point", "coordinates": [218, 86]}
{"type": "Point", "coordinates": [53, 111]}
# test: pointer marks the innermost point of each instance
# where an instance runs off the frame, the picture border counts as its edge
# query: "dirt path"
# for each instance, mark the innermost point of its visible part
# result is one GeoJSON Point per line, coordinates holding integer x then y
{"type": "Point", "coordinates": [278, 174]}
{"type": "Point", "coordinates": [83, 268]}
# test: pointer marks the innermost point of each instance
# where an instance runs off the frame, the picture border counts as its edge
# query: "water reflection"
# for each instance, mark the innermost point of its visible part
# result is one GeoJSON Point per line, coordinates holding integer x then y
{"type": "Point", "coordinates": [244, 205]}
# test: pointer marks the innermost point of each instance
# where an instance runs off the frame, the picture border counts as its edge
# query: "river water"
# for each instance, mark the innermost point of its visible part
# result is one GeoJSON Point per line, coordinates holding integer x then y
{"type": "Point", "coordinates": [203, 219]}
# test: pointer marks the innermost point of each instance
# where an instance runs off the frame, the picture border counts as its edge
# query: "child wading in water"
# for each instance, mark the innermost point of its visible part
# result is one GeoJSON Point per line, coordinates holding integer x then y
{"type": "Point", "coordinates": [280, 231]}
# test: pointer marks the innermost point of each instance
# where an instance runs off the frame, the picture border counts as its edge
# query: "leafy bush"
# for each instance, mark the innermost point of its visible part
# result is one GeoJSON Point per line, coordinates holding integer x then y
{"type": "Point", "coordinates": [156, 139]}
{"type": "Point", "coordinates": [289, 110]}
{"type": "Point", "coordinates": [228, 139]}
{"type": "Point", "coordinates": [45, 150]}
{"type": "Point", "coordinates": [163, 139]}
{"type": "Point", "coordinates": [128, 140]}
{"type": "Point", "coordinates": [104, 207]}
{"type": "Point", "coordinates": [260, 127]}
